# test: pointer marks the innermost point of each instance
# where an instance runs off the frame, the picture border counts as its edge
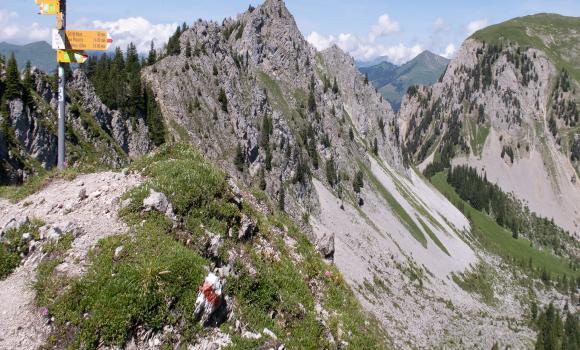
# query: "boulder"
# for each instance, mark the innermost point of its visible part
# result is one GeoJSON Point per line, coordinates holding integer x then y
{"type": "Point", "coordinates": [238, 199]}
{"type": "Point", "coordinates": [118, 252]}
{"type": "Point", "coordinates": [82, 194]}
{"type": "Point", "coordinates": [15, 224]}
{"type": "Point", "coordinates": [250, 335]}
{"type": "Point", "coordinates": [216, 242]}
{"type": "Point", "coordinates": [67, 227]}
{"type": "Point", "coordinates": [325, 246]}
{"type": "Point", "coordinates": [156, 201]}
{"type": "Point", "coordinates": [53, 234]}
{"type": "Point", "coordinates": [247, 228]}
{"type": "Point", "coordinates": [159, 202]}
{"type": "Point", "coordinates": [269, 333]}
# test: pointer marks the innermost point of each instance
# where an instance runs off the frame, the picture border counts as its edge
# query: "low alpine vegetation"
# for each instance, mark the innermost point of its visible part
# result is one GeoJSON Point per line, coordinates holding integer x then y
{"type": "Point", "coordinates": [147, 280]}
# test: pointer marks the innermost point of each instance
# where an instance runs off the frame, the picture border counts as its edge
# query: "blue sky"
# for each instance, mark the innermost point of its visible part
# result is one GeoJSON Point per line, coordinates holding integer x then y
{"type": "Point", "coordinates": [365, 28]}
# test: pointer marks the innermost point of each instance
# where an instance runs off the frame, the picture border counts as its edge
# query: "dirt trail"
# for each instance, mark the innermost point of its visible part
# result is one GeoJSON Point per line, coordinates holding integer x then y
{"type": "Point", "coordinates": [61, 204]}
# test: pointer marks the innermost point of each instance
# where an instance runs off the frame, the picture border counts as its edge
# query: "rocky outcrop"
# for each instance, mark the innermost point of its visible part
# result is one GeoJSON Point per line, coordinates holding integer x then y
{"type": "Point", "coordinates": [33, 133]}
{"type": "Point", "coordinates": [132, 137]}
{"type": "Point", "coordinates": [98, 134]}
{"type": "Point", "coordinates": [159, 202]}
{"type": "Point", "coordinates": [325, 246]}
{"type": "Point", "coordinates": [496, 100]}
{"type": "Point", "coordinates": [257, 99]}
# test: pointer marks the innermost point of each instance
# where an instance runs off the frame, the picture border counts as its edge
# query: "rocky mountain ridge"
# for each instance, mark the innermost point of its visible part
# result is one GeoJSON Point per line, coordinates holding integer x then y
{"type": "Point", "coordinates": [258, 70]}
{"type": "Point", "coordinates": [515, 110]}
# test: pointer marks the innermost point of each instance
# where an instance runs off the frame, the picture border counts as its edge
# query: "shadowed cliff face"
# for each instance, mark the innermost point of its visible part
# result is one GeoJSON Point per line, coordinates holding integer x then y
{"type": "Point", "coordinates": [96, 137]}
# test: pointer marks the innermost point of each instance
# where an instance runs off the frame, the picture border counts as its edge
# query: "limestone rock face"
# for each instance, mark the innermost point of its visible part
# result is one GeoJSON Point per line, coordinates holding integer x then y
{"type": "Point", "coordinates": [36, 139]}
{"type": "Point", "coordinates": [253, 85]}
{"type": "Point", "coordinates": [96, 131]}
{"type": "Point", "coordinates": [132, 138]}
{"type": "Point", "coordinates": [496, 98]}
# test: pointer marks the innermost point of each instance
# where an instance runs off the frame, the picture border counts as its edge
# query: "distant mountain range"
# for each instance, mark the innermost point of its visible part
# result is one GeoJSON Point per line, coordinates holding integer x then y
{"type": "Point", "coordinates": [393, 81]}
{"type": "Point", "coordinates": [39, 53]}
{"type": "Point", "coordinates": [373, 62]}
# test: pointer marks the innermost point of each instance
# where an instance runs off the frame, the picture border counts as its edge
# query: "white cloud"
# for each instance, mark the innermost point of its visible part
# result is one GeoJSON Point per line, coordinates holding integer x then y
{"type": "Point", "coordinates": [474, 26]}
{"type": "Point", "coordinates": [383, 27]}
{"type": "Point", "coordinates": [440, 25]}
{"type": "Point", "coordinates": [13, 32]}
{"type": "Point", "coordinates": [366, 47]}
{"type": "Point", "coordinates": [137, 30]}
{"type": "Point", "coordinates": [449, 51]}
{"type": "Point", "coordinates": [320, 42]}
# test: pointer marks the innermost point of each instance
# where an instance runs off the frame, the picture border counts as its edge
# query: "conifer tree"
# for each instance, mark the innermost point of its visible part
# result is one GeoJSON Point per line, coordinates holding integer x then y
{"type": "Point", "coordinates": [135, 101]}
{"type": "Point", "coordinates": [358, 182]}
{"type": "Point", "coordinates": [28, 76]}
{"type": "Point", "coordinates": [571, 339]}
{"type": "Point", "coordinates": [263, 183]}
{"type": "Point", "coordinates": [188, 49]}
{"type": "Point", "coordinates": [239, 158]}
{"type": "Point", "coordinates": [223, 99]}
{"type": "Point", "coordinates": [331, 172]}
{"type": "Point", "coordinates": [173, 45]}
{"type": "Point", "coordinates": [27, 84]}
{"type": "Point", "coordinates": [152, 58]}
{"type": "Point", "coordinates": [154, 119]}
{"type": "Point", "coordinates": [550, 330]}
{"type": "Point", "coordinates": [12, 86]}
{"type": "Point", "coordinates": [311, 101]}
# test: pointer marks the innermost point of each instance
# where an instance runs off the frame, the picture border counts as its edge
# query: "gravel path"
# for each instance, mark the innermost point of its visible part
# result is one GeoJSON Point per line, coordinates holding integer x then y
{"type": "Point", "coordinates": [89, 204]}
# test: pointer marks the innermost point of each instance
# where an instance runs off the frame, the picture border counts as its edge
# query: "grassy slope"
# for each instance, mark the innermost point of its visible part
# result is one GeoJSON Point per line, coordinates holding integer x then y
{"type": "Point", "coordinates": [550, 33]}
{"type": "Point", "coordinates": [160, 263]}
{"type": "Point", "coordinates": [499, 240]}
{"type": "Point", "coordinates": [397, 208]}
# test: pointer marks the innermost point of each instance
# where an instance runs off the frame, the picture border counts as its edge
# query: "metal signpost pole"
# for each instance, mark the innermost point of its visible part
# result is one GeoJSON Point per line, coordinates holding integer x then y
{"type": "Point", "coordinates": [69, 49]}
{"type": "Point", "coordinates": [61, 95]}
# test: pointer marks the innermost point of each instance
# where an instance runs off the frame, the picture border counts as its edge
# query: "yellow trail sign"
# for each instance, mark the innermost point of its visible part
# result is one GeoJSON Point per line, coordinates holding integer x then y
{"type": "Point", "coordinates": [90, 40]}
{"type": "Point", "coordinates": [48, 7]}
{"type": "Point", "coordinates": [67, 56]}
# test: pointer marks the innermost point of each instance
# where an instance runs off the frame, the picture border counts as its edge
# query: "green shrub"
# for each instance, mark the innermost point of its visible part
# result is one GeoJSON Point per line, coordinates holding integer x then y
{"type": "Point", "coordinates": [12, 245]}
{"type": "Point", "coordinates": [116, 295]}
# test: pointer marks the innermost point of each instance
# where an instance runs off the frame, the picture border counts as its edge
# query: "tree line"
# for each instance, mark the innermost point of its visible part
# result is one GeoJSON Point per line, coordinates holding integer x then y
{"type": "Point", "coordinates": [507, 211]}
{"type": "Point", "coordinates": [117, 81]}
{"type": "Point", "coordinates": [556, 334]}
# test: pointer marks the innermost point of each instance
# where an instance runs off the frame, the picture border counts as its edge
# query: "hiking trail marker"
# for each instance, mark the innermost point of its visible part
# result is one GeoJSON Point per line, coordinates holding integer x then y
{"type": "Point", "coordinates": [69, 56]}
{"type": "Point", "coordinates": [69, 46]}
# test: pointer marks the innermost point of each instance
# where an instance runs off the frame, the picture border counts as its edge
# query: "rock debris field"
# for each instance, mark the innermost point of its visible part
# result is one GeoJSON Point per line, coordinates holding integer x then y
{"type": "Point", "coordinates": [87, 207]}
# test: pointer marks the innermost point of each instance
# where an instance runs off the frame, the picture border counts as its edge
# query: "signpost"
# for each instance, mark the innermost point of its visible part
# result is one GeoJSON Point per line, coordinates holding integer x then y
{"type": "Point", "coordinates": [69, 46]}
{"type": "Point", "coordinates": [96, 40]}
{"type": "Point", "coordinates": [48, 7]}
